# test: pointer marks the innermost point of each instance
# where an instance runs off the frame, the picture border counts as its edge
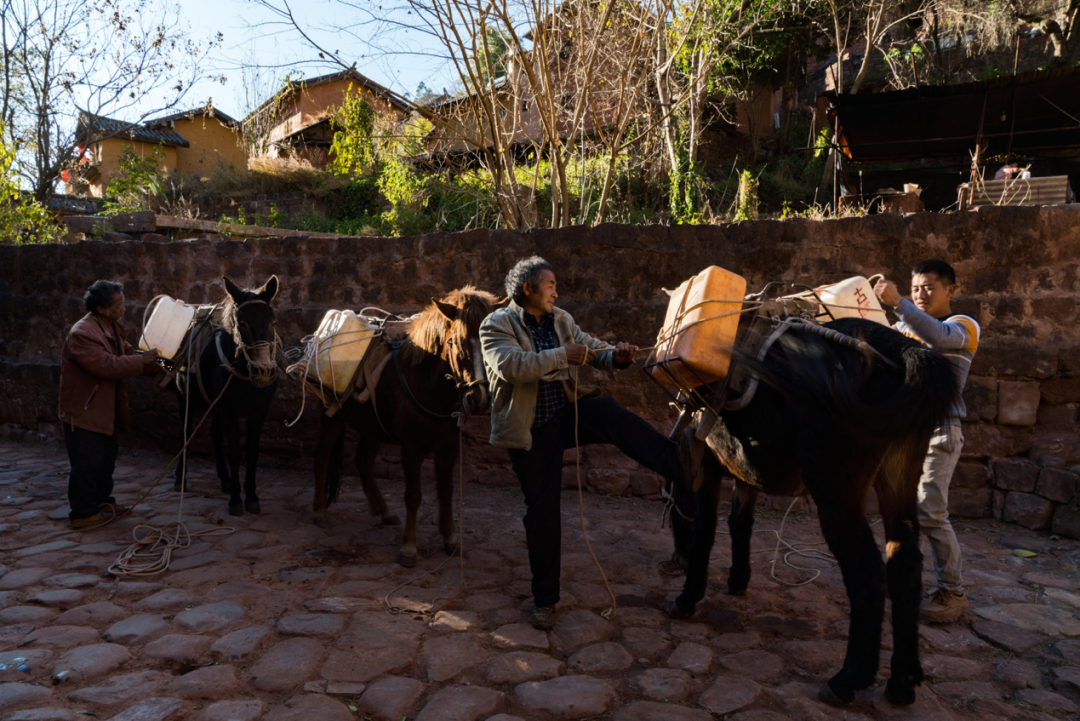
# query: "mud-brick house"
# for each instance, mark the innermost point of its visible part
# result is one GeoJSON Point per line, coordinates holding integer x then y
{"type": "Point", "coordinates": [295, 123]}
{"type": "Point", "coordinates": [192, 142]}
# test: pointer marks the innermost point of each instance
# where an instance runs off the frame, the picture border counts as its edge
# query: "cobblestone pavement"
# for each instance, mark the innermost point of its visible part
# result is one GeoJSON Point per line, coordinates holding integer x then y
{"type": "Point", "coordinates": [284, 620]}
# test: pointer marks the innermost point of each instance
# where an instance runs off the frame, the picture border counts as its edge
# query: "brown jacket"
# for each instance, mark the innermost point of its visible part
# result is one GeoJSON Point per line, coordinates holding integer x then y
{"type": "Point", "coordinates": [93, 395]}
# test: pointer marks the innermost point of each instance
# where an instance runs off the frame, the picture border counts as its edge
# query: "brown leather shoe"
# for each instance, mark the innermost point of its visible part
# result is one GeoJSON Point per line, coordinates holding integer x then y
{"type": "Point", "coordinates": [98, 519]}
{"type": "Point", "coordinates": [543, 618]}
{"type": "Point", "coordinates": [944, 606]}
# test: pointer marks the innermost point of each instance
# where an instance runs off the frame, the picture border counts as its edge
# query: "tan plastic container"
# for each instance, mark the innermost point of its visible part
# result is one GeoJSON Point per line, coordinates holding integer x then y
{"type": "Point", "coordinates": [850, 298]}
{"type": "Point", "coordinates": [337, 349]}
{"type": "Point", "coordinates": [167, 327]}
{"type": "Point", "coordinates": [695, 344]}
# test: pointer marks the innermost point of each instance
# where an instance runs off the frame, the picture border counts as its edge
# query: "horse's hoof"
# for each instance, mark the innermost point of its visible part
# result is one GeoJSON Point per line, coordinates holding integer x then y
{"type": "Point", "coordinates": [177, 486]}
{"type": "Point", "coordinates": [406, 561]}
{"type": "Point", "coordinates": [252, 506]}
{"type": "Point", "coordinates": [676, 612]}
{"type": "Point", "coordinates": [236, 509]}
{"type": "Point", "coordinates": [322, 519]}
{"type": "Point", "coordinates": [391, 519]}
{"type": "Point", "coordinates": [829, 695]}
{"type": "Point", "coordinates": [736, 591]}
{"type": "Point", "coordinates": [899, 694]}
{"type": "Point", "coordinates": [451, 548]}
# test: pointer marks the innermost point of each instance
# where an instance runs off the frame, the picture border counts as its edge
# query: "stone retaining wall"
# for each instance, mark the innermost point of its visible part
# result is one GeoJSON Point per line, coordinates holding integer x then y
{"type": "Point", "coordinates": [1018, 269]}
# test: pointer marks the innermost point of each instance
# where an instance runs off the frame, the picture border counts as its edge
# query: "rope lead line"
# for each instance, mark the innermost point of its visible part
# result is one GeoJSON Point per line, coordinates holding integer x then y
{"type": "Point", "coordinates": [608, 613]}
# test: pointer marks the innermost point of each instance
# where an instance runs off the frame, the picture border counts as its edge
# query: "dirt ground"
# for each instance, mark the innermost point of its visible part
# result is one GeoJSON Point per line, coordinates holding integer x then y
{"type": "Point", "coordinates": [270, 616]}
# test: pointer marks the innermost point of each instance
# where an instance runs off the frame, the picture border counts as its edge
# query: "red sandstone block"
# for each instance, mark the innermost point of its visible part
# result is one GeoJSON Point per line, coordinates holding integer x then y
{"type": "Point", "coordinates": [1058, 485]}
{"type": "Point", "coordinates": [971, 502]}
{"type": "Point", "coordinates": [1018, 403]}
{"type": "Point", "coordinates": [981, 398]}
{"type": "Point", "coordinates": [1067, 521]}
{"type": "Point", "coordinates": [1029, 510]}
{"type": "Point", "coordinates": [1059, 417]}
{"type": "Point", "coordinates": [1016, 475]}
{"type": "Point", "coordinates": [971, 474]}
{"type": "Point", "coordinates": [1061, 390]}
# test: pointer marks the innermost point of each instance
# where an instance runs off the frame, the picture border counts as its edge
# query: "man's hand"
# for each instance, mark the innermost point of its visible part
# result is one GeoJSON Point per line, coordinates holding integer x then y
{"type": "Point", "coordinates": [150, 356]}
{"type": "Point", "coordinates": [887, 293]}
{"type": "Point", "coordinates": [625, 352]}
{"type": "Point", "coordinates": [578, 354]}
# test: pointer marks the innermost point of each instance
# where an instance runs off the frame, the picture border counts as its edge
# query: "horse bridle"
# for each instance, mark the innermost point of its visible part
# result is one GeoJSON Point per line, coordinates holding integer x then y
{"type": "Point", "coordinates": [260, 373]}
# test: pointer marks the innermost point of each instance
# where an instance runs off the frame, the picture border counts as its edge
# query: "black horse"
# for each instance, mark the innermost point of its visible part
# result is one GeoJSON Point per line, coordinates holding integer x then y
{"type": "Point", "coordinates": [236, 374]}
{"type": "Point", "coordinates": [835, 421]}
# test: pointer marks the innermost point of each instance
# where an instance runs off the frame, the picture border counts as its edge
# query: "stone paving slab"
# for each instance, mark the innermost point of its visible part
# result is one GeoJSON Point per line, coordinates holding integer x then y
{"type": "Point", "coordinates": [283, 620]}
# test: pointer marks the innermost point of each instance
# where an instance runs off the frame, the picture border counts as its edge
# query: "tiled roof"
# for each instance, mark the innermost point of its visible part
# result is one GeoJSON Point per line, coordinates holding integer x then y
{"type": "Point", "coordinates": [207, 110]}
{"type": "Point", "coordinates": [96, 127]}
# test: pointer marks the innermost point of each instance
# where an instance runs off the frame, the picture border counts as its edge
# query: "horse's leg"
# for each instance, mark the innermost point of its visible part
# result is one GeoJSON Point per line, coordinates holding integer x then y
{"type": "Point", "coordinates": [253, 433]}
{"type": "Point", "coordinates": [839, 496]}
{"type": "Point", "coordinates": [331, 444]}
{"type": "Point", "coordinates": [741, 527]}
{"type": "Point", "coordinates": [896, 486]}
{"type": "Point", "coordinates": [366, 452]}
{"type": "Point", "coordinates": [445, 460]}
{"type": "Point", "coordinates": [701, 533]}
{"type": "Point", "coordinates": [222, 448]}
{"type": "Point", "coordinates": [411, 458]}
{"type": "Point", "coordinates": [229, 427]}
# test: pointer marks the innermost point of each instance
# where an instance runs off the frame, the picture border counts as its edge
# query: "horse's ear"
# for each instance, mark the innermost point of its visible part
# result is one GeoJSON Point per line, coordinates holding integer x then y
{"type": "Point", "coordinates": [269, 289]}
{"type": "Point", "coordinates": [232, 288]}
{"type": "Point", "coordinates": [450, 312]}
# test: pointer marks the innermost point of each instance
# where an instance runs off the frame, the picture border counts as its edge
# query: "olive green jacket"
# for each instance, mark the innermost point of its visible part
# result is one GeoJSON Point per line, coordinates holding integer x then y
{"type": "Point", "coordinates": [515, 369]}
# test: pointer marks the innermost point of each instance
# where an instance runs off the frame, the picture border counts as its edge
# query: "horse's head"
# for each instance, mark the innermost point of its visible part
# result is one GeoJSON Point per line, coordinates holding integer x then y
{"type": "Point", "coordinates": [462, 311]}
{"type": "Point", "coordinates": [249, 319]}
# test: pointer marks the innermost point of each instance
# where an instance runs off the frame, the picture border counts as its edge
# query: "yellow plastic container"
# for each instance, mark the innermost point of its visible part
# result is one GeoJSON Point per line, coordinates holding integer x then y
{"type": "Point", "coordinates": [338, 348]}
{"type": "Point", "coordinates": [695, 344]}
{"type": "Point", "coordinates": [850, 298]}
{"type": "Point", "coordinates": [167, 327]}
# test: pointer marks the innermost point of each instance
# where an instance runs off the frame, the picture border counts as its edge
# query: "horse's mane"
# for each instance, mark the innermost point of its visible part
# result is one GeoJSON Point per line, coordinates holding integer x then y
{"type": "Point", "coordinates": [428, 334]}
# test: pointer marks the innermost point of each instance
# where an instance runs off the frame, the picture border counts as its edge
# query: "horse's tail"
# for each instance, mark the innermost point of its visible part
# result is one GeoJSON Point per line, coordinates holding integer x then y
{"type": "Point", "coordinates": [858, 390]}
{"type": "Point", "coordinates": [335, 467]}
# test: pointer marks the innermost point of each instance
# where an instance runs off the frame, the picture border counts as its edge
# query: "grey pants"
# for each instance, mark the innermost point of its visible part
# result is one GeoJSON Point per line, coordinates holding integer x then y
{"type": "Point", "coordinates": [938, 467]}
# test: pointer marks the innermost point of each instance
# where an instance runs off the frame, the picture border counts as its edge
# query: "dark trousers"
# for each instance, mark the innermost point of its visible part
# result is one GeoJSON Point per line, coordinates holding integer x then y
{"type": "Point", "coordinates": [539, 469]}
{"type": "Point", "coordinates": [93, 460]}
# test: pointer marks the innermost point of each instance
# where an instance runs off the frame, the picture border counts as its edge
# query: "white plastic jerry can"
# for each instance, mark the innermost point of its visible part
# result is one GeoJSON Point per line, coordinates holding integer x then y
{"type": "Point", "coordinates": [167, 327]}
{"type": "Point", "coordinates": [337, 349]}
{"type": "Point", "coordinates": [850, 298]}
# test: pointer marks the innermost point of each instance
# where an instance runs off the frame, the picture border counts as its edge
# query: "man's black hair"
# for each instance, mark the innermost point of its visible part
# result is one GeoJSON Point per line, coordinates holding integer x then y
{"type": "Point", "coordinates": [940, 268]}
{"type": "Point", "coordinates": [527, 270]}
{"type": "Point", "coordinates": [101, 294]}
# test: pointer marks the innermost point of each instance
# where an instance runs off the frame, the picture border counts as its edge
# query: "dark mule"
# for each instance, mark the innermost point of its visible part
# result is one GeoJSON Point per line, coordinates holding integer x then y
{"type": "Point", "coordinates": [238, 362]}
{"type": "Point", "coordinates": [835, 421]}
{"type": "Point", "coordinates": [436, 372]}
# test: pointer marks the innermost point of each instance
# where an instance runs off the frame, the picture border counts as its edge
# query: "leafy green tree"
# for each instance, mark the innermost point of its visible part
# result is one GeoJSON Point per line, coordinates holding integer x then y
{"type": "Point", "coordinates": [137, 180]}
{"type": "Point", "coordinates": [353, 151]}
{"type": "Point", "coordinates": [23, 220]}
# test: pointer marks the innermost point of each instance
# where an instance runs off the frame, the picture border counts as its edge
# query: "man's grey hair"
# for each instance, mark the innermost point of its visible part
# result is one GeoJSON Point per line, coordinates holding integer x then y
{"type": "Point", "coordinates": [527, 270]}
{"type": "Point", "coordinates": [101, 294]}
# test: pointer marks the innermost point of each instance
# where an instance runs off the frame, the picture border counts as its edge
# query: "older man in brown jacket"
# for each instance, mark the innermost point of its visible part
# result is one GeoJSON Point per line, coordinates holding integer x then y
{"type": "Point", "coordinates": [93, 401]}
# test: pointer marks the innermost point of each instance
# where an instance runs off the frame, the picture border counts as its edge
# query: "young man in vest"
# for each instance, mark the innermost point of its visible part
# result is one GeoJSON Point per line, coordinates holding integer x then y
{"type": "Point", "coordinates": [928, 317]}
{"type": "Point", "coordinates": [529, 347]}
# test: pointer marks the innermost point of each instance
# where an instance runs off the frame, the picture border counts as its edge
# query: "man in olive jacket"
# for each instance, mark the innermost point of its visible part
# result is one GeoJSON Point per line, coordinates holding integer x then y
{"type": "Point", "coordinates": [529, 347]}
{"type": "Point", "coordinates": [95, 360]}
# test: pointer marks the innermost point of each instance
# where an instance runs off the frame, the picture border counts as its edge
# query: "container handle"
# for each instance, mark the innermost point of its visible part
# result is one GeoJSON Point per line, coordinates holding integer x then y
{"type": "Point", "coordinates": [870, 280]}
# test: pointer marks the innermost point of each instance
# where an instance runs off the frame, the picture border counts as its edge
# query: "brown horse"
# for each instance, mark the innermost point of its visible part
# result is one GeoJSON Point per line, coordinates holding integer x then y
{"type": "Point", "coordinates": [436, 373]}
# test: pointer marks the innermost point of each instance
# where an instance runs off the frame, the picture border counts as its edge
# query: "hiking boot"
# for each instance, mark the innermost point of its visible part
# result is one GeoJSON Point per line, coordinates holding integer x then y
{"type": "Point", "coordinates": [99, 518]}
{"type": "Point", "coordinates": [944, 607]}
{"type": "Point", "coordinates": [543, 618]}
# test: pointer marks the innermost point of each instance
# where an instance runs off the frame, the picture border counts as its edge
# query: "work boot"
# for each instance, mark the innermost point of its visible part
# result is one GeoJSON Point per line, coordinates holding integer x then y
{"type": "Point", "coordinates": [944, 606]}
{"type": "Point", "coordinates": [98, 519]}
{"type": "Point", "coordinates": [543, 618]}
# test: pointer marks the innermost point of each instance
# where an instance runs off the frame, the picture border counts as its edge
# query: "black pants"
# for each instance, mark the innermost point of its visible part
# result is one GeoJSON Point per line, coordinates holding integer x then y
{"type": "Point", "coordinates": [539, 469]}
{"type": "Point", "coordinates": [93, 460]}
